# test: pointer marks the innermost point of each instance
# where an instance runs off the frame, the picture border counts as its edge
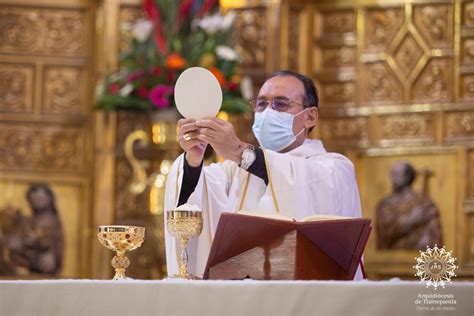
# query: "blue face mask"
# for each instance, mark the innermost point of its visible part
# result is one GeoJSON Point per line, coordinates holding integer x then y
{"type": "Point", "coordinates": [274, 130]}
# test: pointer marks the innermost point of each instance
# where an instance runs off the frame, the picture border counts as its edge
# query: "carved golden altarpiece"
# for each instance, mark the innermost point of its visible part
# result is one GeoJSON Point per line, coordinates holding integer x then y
{"type": "Point", "coordinates": [396, 82]}
{"type": "Point", "coordinates": [46, 86]}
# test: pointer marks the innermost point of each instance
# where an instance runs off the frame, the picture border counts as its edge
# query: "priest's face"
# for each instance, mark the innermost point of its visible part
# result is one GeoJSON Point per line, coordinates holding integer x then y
{"type": "Point", "coordinates": [292, 89]}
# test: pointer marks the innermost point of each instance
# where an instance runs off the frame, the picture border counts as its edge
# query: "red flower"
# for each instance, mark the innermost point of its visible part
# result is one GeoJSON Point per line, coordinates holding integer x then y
{"type": "Point", "coordinates": [142, 92]}
{"type": "Point", "coordinates": [170, 74]}
{"type": "Point", "coordinates": [232, 86]}
{"type": "Point", "coordinates": [156, 70]}
{"type": "Point", "coordinates": [114, 88]}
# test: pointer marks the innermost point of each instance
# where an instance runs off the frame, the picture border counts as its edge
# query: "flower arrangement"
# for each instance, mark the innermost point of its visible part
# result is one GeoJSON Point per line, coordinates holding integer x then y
{"type": "Point", "coordinates": [176, 35]}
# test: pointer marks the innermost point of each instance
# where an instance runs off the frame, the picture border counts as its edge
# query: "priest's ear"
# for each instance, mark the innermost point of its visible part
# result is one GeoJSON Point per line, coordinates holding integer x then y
{"type": "Point", "coordinates": [312, 118]}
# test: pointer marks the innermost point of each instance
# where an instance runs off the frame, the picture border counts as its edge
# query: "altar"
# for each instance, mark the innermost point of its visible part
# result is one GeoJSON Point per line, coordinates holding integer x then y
{"type": "Point", "coordinates": [247, 297]}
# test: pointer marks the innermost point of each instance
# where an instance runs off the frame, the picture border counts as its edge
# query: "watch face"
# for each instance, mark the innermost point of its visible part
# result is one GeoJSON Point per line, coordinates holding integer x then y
{"type": "Point", "coordinates": [248, 155]}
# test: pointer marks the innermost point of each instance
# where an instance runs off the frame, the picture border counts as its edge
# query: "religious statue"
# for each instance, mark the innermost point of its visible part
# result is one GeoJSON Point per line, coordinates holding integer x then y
{"type": "Point", "coordinates": [32, 244]}
{"type": "Point", "coordinates": [407, 219]}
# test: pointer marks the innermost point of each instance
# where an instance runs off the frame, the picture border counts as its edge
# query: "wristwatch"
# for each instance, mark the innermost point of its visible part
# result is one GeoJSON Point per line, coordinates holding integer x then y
{"type": "Point", "coordinates": [248, 157]}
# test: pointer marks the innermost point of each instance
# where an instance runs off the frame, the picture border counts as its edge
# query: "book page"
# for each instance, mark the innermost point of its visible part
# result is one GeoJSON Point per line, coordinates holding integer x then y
{"type": "Point", "coordinates": [267, 215]}
{"type": "Point", "coordinates": [313, 218]}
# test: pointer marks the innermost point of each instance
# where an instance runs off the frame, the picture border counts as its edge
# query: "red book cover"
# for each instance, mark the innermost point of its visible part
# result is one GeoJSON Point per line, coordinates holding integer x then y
{"type": "Point", "coordinates": [266, 248]}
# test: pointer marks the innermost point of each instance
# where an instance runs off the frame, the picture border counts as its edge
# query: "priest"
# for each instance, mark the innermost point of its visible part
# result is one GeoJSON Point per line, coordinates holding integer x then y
{"type": "Point", "coordinates": [288, 174]}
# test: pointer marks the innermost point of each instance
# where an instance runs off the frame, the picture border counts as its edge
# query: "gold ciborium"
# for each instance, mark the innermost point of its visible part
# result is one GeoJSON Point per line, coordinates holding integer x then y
{"type": "Point", "coordinates": [120, 239]}
{"type": "Point", "coordinates": [183, 225]}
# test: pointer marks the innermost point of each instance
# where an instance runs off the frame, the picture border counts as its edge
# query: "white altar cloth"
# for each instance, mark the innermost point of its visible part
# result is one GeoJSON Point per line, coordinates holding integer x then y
{"type": "Point", "coordinates": [139, 297]}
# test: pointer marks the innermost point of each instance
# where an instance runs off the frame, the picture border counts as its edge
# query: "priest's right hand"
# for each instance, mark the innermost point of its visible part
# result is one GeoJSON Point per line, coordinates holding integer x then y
{"type": "Point", "coordinates": [194, 147]}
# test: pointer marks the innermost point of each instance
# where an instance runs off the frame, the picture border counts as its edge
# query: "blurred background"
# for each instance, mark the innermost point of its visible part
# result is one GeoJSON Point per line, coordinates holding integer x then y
{"type": "Point", "coordinates": [87, 125]}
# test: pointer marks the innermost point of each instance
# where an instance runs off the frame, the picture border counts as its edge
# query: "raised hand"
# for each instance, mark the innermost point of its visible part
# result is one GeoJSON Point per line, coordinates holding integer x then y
{"type": "Point", "coordinates": [190, 143]}
{"type": "Point", "coordinates": [221, 136]}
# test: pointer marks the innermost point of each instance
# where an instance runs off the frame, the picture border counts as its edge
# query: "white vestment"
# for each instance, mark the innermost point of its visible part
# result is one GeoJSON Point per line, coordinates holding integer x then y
{"type": "Point", "coordinates": [306, 181]}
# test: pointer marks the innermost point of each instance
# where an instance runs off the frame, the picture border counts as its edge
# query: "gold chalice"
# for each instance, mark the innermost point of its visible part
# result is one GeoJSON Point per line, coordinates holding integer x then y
{"type": "Point", "coordinates": [120, 239]}
{"type": "Point", "coordinates": [183, 225]}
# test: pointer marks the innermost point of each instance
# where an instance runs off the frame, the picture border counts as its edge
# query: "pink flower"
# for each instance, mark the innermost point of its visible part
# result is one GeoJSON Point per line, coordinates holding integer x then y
{"type": "Point", "coordinates": [159, 95]}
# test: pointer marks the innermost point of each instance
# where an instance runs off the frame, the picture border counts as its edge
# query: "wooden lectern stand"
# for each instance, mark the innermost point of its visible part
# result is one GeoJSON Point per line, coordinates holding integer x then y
{"type": "Point", "coordinates": [273, 249]}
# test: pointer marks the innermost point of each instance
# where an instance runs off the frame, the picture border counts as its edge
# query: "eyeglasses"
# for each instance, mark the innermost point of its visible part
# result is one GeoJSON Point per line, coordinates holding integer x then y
{"type": "Point", "coordinates": [278, 104]}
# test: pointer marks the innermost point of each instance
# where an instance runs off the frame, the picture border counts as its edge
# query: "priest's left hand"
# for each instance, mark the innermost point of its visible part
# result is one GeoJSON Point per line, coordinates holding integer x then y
{"type": "Point", "coordinates": [221, 136]}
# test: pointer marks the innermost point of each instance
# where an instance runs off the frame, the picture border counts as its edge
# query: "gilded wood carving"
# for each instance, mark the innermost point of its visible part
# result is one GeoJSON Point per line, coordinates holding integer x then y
{"type": "Point", "coordinates": [16, 95]}
{"type": "Point", "coordinates": [57, 32]}
{"type": "Point", "coordinates": [41, 148]}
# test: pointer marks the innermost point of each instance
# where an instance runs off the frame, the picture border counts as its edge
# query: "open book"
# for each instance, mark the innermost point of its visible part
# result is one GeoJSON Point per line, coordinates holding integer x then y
{"type": "Point", "coordinates": [266, 246]}
{"type": "Point", "coordinates": [287, 218]}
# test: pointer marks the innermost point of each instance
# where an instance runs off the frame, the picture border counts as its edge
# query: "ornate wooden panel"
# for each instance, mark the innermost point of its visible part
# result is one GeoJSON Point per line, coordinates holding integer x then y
{"type": "Point", "coordinates": [334, 56]}
{"type": "Point", "coordinates": [435, 23]}
{"type": "Point", "coordinates": [338, 23]}
{"type": "Point", "coordinates": [468, 14]}
{"type": "Point", "coordinates": [64, 90]}
{"type": "Point", "coordinates": [16, 90]}
{"type": "Point", "coordinates": [459, 125]}
{"type": "Point", "coordinates": [406, 128]}
{"type": "Point", "coordinates": [381, 26]}
{"type": "Point", "coordinates": [408, 49]}
{"type": "Point", "coordinates": [257, 37]}
{"type": "Point", "coordinates": [41, 148]}
{"type": "Point", "coordinates": [294, 37]}
{"type": "Point", "coordinates": [467, 51]}
{"type": "Point", "coordinates": [52, 31]}
{"type": "Point", "coordinates": [252, 39]}
{"type": "Point", "coordinates": [435, 82]}
{"type": "Point", "coordinates": [407, 55]}
{"type": "Point", "coordinates": [337, 92]}
{"type": "Point", "coordinates": [348, 131]}
{"type": "Point", "coordinates": [467, 87]}
{"type": "Point", "coordinates": [380, 85]}
{"type": "Point", "coordinates": [375, 60]}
